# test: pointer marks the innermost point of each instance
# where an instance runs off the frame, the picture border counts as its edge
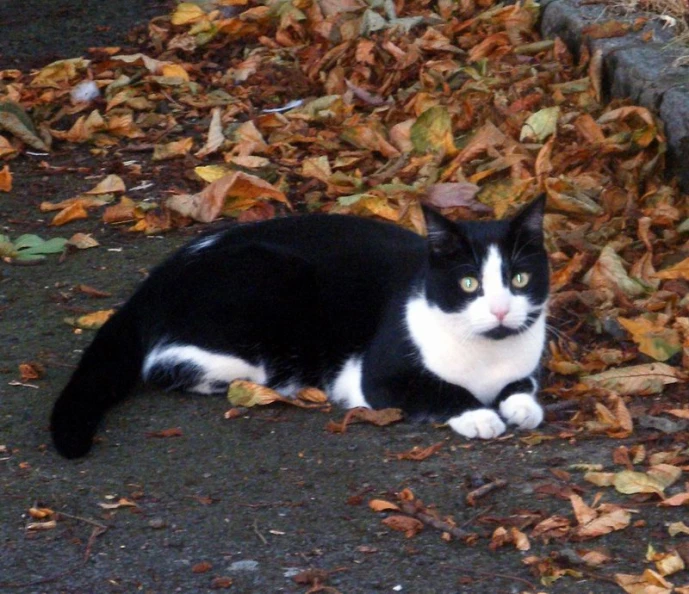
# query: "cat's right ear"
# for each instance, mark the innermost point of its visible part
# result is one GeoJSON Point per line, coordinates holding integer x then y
{"type": "Point", "coordinates": [443, 237]}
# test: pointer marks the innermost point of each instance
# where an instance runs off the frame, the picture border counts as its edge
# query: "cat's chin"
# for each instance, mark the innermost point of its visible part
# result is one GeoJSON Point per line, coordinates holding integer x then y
{"type": "Point", "coordinates": [500, 332]}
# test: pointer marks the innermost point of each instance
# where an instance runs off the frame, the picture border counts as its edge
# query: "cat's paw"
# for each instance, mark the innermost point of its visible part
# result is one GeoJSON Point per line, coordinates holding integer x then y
{"type": "Point", "coordinates": [522, 410]}
{"type": "Point", "coordinates": [483, 423]}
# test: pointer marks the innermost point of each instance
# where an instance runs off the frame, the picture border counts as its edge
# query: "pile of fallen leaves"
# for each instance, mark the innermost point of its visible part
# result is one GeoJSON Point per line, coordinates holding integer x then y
{"type": "Point", "coordinates": [370, 108]}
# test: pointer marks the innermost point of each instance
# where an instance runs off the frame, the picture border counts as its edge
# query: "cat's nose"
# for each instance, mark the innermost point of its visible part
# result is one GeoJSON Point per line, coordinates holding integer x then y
{"type": "Point", "coordinates": [500, 312]}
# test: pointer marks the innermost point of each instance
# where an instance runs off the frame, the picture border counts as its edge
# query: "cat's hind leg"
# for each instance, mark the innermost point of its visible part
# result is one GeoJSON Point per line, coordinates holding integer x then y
{"type": "Point", "coordinates": [191, 368]}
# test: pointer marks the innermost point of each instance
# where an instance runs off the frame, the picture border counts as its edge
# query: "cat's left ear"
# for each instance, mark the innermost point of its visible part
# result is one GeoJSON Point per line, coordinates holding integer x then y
{"type": "Point", "coordinates": [443, 235]}
{"type": "Point", "coordinates": [530, 218]}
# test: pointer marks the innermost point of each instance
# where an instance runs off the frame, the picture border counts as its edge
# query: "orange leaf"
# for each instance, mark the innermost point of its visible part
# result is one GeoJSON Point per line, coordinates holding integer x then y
{"type": "Point", "coordinates": [380, 505]}
{"type": "Point", "coordinates": [72, 213]}
{"type": "Point", "coordinates": [5, 179]}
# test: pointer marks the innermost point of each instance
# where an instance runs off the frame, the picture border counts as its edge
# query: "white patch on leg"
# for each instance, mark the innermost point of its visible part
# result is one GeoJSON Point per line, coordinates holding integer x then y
{"type": "Point", "coordinates": [522, 410]}
{"type": "Point", "coordinates": [346, 388]}
{"type": "Point", "coordinates": [482, 422]}
{"type": "Point", "coordinates": [214, 368]}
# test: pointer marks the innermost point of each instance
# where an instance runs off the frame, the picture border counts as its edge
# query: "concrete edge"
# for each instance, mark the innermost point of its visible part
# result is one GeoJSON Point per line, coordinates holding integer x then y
{"type": "Point", "coordinates": [640, 66]}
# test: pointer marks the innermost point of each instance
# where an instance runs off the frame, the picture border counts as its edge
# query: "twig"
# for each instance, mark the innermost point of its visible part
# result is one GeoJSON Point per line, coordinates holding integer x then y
{"type": "Point", "coordinates": [500, 575]}
{"type": "Point", "coordinates": [98, 529]}
{"type": "Point", "coordinates": [483, 490]}
{"type": "Point", "coordinates": [560, 406]}
{"type": "Point", "coordinates": [258, 533]}
{"type": "Point", "coordinates": [102, 527]}
{"type": "Point", "coordinates": [410, 509]}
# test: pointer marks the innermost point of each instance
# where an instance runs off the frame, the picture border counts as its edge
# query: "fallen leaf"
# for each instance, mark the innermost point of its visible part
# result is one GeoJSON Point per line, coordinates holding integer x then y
{"type": "Point", "coordinates": [410, 526]}
{"type": "Point", "coordinates": [381, 418]}
{"type": "Point", "coordinates": [380, 505]}
{"type": "Point", "coordinates": [109, 185]}
{"type": "Point", "coordinates": [5, 179]}
{"type": "Point", "coordinates": [165, 433]}
{"type": "Point", "coordinates": [91, 321]}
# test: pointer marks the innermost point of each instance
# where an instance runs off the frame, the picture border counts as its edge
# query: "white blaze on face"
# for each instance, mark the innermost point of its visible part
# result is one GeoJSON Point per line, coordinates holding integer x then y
{"type": "Point", "coordinates": [497, 295]}
{"type": "Point", "coordinates": [496, 305]}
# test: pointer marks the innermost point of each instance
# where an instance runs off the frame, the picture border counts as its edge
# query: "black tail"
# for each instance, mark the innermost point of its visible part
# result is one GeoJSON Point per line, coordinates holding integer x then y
{"type": "Point", "coordinates": [107, 373]}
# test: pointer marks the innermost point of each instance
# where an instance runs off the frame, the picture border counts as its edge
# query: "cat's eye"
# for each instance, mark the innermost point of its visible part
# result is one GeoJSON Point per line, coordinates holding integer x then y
{"type": "Point", "coordinates": [520, 280]}
{"type": "Point", "coordinates": [469, 284]}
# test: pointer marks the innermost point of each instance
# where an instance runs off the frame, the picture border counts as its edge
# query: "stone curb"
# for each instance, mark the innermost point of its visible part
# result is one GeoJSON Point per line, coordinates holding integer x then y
{"type": "Point", "coordinates": [633, 67]}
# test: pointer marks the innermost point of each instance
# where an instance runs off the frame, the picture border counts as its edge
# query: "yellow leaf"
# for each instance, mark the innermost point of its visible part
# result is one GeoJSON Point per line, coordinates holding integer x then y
{"type": "Point", "coordinates": [73, 212]}
{"type": "Point", "coordinates": [630, 482]}
{"type": "Point", "coordinates": [679, 270]}
{"type": "Point", "coordinates": [108, 185]}
{"type": "Point", "coordinates": [432, 132]}
{"type": "Point", "coordinates": [211, 173]}
{"type": "Point", "coordinates": [540, 125]}
{"type": "Point", "coordinates": [248, 394]}
{"type": "Point", "coordinates": [187, 12]}
{"type": "Point", "coordinates": [669, 563]}
{"type": "Point", "coordinates": [654, 338]}
{"type": "Point", "coordinates": [675, 528]}
{"type": "Point", "coordinates": [58, 72]}
{"type": "Point", "coordinates": [175, 70]}
{"type": "Point", "coordinates": [91, 321]}
{"type": "Point", "coordinates": [648, 378]}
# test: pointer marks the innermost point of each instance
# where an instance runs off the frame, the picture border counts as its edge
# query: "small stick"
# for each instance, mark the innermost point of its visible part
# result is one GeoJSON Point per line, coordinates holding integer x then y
{"type": "Point", "coordinates": [410, 509]}
{"type": "Point", "coordinates": [483, 490]}
{"type": "Point", "coordinates": [102, 527]}
{"type": "Point", "coordinates": [258, 533]}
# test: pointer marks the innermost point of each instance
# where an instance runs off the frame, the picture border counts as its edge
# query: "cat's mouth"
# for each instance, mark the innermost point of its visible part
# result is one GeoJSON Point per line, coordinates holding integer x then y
{"type": "Point", "coordinates": [500, 332]}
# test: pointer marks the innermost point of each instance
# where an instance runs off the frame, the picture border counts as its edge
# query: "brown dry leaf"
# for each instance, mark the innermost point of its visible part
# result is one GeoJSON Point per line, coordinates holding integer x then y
{"type": "Point", "coordinates": [237, 190]}
{"type": "Point", "coordinates": [122, 212]}
{"type": "Point", "coordinates": [313, 395]}
{"type": "Point", "coordinates": [551, 528]}
{"type": "Point", "coordinates": [92, 291]}
{"type": "Point", "coordinates": [164, 433]}
{"type": "Point", "coordinates": [629, 482]}
{"type": "Point", "coordinates": [648, 378]}
{"type": "Point", "coordinates": [449, 195]}
{"type": "Point", "coordinates": [601, 479]}
{"type": "Point", "coordinates": [417, 454]}
{"type": "Point", "coordinates": [108, 185]}
{"type": "Point", "coordinates": [30, 371]}
{"type": "Point", "coordinates": [38, 526]}
{"type": "Point", "coordinates": [5, 179]}
{"type": "Point", "coordinates": [609, 272]}
{"type": "Point", "coordinates": [410, 526]}
{"type": "Point", "coordinates": [201, 567]}
{"type": "Point", "coordinates": [649, 582]}
{"type": "Point", "coordinates": [172, 150]}
{"type": "Point", "coordinates": [380, 505]}
{"type": "Point", "coordinates": [215, 135]}
{"type": "Point", "coordinates": [122, 502]}
{"type": "Point", "coordinates": [607, 29]}
{"type": "Point", "coordinates": [59, 72]}
{"type": "Point", "coordinates": [82, 241]}
{"type": "Point", "coordinates": [596, 522]}
{"type": "Point", "coordinates": [675, 528]}
{"type": "Point", "coordinates": [380, 418]}
{"type": "Point", "coordinates": [91, 321]}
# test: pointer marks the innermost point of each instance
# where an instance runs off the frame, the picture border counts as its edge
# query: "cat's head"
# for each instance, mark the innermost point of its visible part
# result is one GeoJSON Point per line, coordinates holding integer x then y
{"type": "Point", "coordinates": [491, 276]}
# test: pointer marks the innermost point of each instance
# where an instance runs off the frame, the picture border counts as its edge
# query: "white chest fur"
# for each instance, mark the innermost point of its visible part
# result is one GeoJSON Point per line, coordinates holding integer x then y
{"type": "Point", "coordinates": [481, 365]}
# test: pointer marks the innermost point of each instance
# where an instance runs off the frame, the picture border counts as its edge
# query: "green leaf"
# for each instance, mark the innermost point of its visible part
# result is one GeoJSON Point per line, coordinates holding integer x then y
{"type": "Point", "coordinates": [56, 245]}
{"type": "Point", "coordinates": [540, 125]}
{"type": "Point", "coordinates": [432, 132]}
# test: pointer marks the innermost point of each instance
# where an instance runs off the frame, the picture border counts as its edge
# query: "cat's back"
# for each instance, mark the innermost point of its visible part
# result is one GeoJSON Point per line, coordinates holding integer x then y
{"type": "Point", "coordinates": [313, 235]}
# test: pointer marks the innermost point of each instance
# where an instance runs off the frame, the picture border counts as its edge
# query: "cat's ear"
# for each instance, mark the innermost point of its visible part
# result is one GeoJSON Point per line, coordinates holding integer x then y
{"type": "Point", "coordinates": [443, 235]}
{"type": "Point", "coordinates": [530, 218]}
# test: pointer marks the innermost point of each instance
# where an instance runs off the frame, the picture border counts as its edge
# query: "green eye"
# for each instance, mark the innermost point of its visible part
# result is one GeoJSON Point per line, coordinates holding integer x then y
{"type": "Point", "coordinates": [520, 280]}
{"type": "Point", "coordinates": [469, 284]}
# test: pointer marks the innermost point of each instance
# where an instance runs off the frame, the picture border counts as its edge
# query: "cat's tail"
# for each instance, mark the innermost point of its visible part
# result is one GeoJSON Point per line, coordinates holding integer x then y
{"type": "Point", "coordinates": [107, 373]}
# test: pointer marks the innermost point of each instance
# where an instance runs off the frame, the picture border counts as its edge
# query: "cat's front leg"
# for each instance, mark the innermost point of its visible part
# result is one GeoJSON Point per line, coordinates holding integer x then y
{"type": "Point", "coordinates": [522, 410]}
{"type": "Point", "coordinates": [518, 404]}
{"type": "Point", "coordinates": [484, 423]}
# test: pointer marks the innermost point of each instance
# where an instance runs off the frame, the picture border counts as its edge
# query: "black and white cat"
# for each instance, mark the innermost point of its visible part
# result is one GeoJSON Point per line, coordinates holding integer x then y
{"type": "Point", "coordinates": [448, 328]}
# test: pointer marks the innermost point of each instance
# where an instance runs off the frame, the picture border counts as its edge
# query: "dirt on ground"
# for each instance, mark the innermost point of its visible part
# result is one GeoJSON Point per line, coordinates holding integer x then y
{"type": "Point", "coordinates": [176, 498]}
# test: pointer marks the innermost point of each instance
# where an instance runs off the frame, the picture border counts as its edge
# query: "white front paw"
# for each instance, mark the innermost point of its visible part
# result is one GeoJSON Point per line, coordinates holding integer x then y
{"type": "Point", "coordinates": [482, 422]}
{"type": "Point", "coordinates": [522, 410]}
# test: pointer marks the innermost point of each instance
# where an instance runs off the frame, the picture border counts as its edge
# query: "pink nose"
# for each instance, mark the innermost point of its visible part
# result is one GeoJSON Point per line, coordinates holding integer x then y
{"type": "Point", "coordinates": [500, 312]}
